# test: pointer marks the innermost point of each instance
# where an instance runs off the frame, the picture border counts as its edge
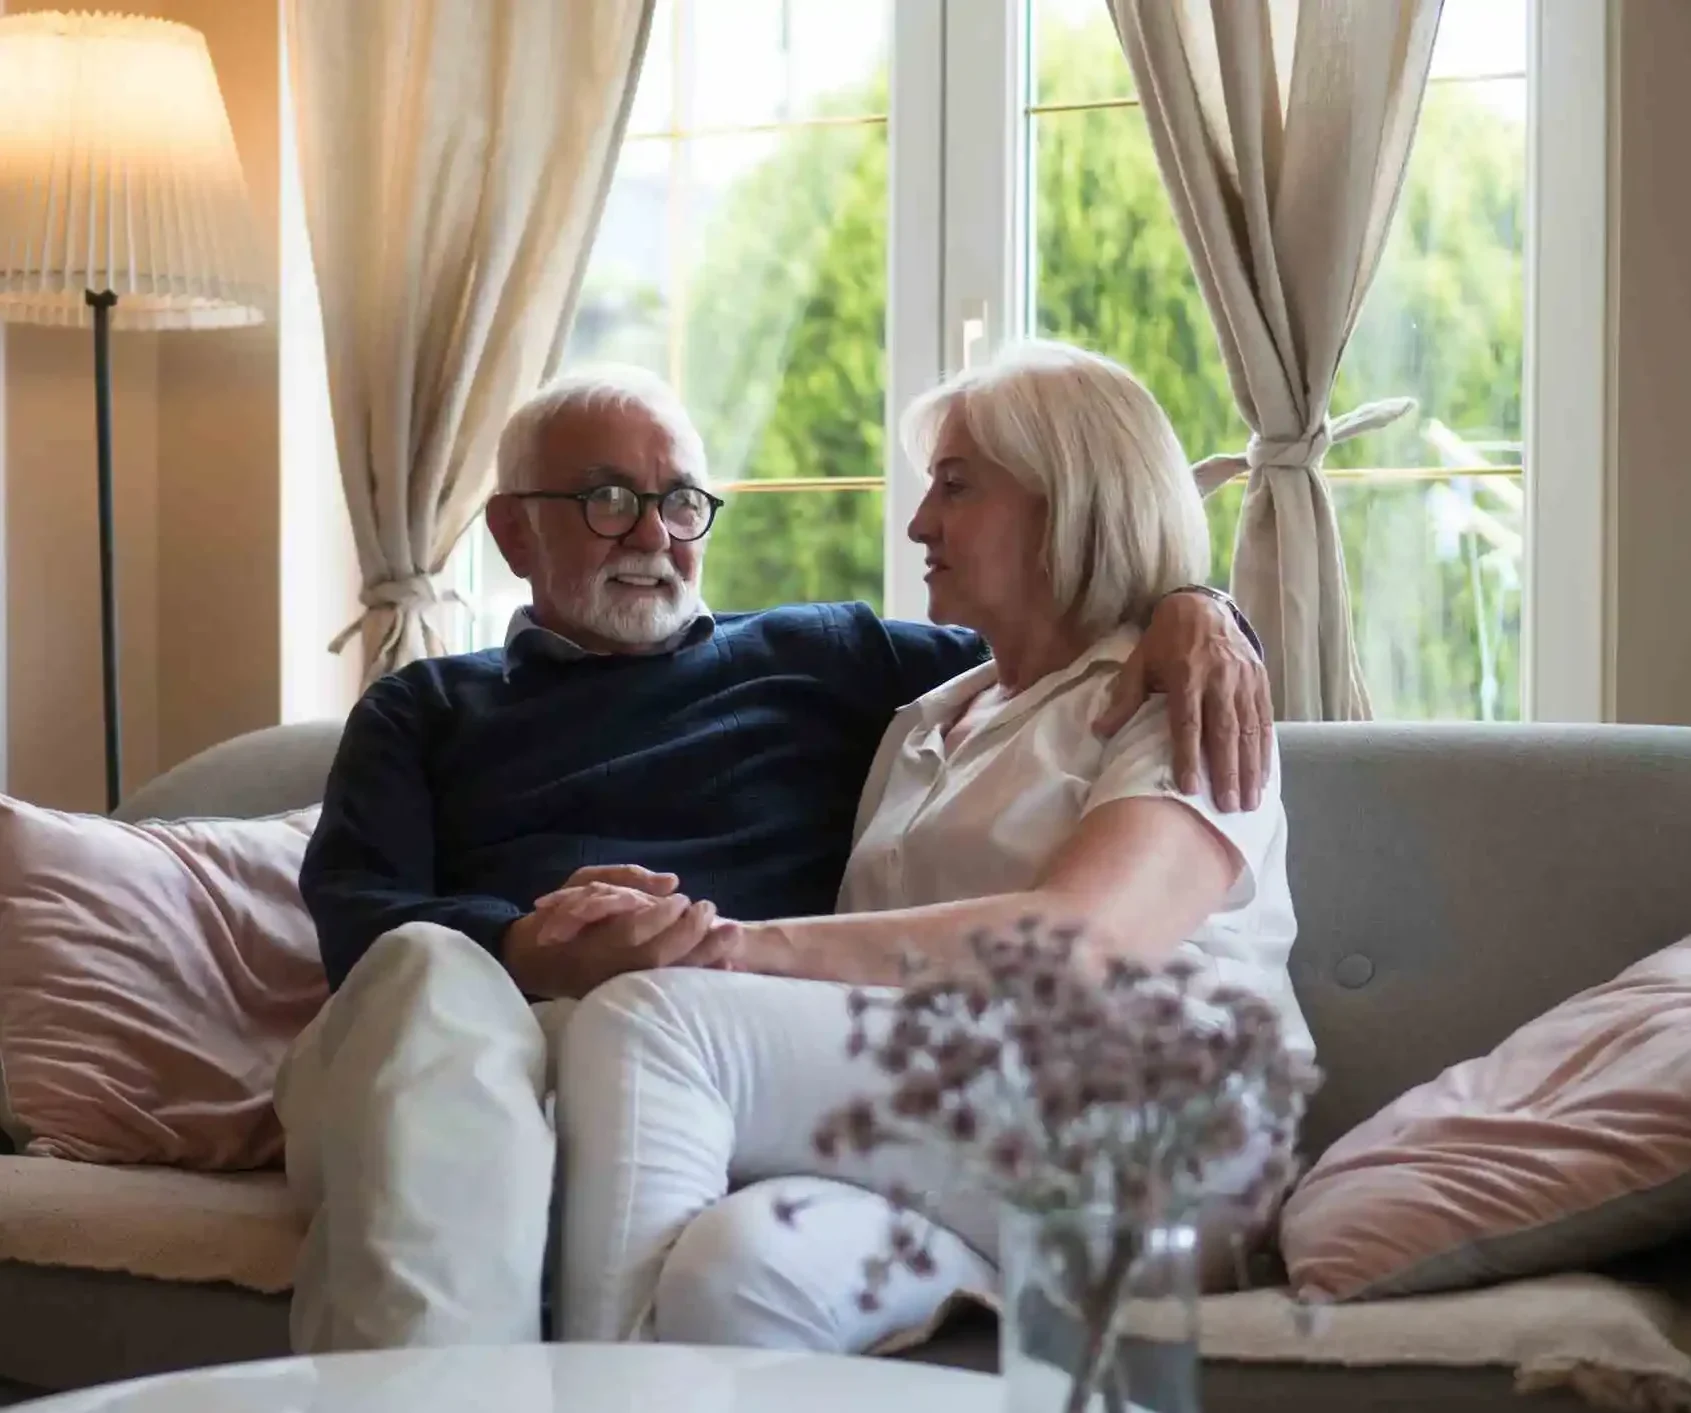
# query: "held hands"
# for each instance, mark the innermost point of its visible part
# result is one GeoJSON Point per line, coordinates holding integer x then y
{"type": "Point", "coordinates": [1218, 698]}
{"type": "Point", "coordinates": [608, 920]}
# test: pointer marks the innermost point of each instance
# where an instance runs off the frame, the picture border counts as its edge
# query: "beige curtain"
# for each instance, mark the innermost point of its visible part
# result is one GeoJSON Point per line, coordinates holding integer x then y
{"type": "Point", "coordinates": [454, 156]}
{"type": "Point", "coordinates": [1282, 128]}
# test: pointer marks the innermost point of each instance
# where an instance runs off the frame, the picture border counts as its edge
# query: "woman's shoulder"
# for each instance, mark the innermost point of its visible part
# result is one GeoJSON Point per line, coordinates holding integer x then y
{"type": "Point", "coordinates": [1143, 748]}
{"type": "Point", "coordinates": [1093, 691]}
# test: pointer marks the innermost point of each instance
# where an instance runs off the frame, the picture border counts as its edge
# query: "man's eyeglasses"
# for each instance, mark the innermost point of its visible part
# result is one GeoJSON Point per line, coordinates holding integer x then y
{"type": "Point", "coordinates": [612, 512]}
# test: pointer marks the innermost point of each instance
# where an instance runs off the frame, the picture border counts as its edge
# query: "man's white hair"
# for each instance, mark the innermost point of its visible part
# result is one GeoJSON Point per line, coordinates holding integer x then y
{"type": "Point", "coordinates": [1125, 520]}
{"type": "Point", "coordinates": [609, 385]}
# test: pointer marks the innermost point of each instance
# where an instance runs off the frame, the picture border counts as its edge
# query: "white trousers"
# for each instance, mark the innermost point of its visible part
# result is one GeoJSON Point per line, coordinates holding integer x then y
{"type": "Point", "coordinates": [421, 1155]}
{"type": "Point", "coordinates": [419, 1149]}
{"type": "Point", "coordinates": [687, 1101]}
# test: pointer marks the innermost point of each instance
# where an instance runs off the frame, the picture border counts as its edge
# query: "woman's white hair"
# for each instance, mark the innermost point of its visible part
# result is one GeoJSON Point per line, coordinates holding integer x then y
{"type": "Point", "coordinates": [1125, 520]}
{"type": "Point", "coordinates": [610, 385]}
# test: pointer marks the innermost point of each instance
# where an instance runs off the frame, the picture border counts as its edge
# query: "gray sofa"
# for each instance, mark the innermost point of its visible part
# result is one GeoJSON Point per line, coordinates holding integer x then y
{"type": "Point", "coordinates": [1451, 883]}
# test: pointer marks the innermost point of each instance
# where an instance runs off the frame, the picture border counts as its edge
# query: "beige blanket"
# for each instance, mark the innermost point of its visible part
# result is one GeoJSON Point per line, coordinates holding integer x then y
{"type": "Point", "coordinates": [1619, 1346]}
{"type": "Point", "coordinates": [1623, 1346]}
{"type": "Point", "coordinates": [158, 1222]}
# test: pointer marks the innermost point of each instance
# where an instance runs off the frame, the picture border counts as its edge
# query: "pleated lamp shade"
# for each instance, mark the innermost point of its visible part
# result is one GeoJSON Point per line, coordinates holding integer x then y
{"type": "Point", "coordinates": [118, 171]}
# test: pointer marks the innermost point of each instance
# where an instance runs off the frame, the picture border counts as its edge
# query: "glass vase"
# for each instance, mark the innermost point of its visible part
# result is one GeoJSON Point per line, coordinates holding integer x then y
{"type": "Point", "coordinates": [1099, 1316]}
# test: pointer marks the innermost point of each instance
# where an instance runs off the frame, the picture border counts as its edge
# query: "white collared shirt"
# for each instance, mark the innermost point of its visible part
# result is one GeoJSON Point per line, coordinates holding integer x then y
{"type": "Point", "coordinates": [989, 816]}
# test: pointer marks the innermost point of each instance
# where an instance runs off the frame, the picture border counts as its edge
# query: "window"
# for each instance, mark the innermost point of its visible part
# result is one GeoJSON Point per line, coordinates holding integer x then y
{"type": "Point", "coordinates": [1430, 510]}
{"type": "Point", "coordinates": [744, 254]}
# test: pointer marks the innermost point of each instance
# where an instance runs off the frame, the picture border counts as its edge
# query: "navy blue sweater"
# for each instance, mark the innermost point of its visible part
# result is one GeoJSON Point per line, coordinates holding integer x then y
{"type": "Point", "coordinates": [463, 791]}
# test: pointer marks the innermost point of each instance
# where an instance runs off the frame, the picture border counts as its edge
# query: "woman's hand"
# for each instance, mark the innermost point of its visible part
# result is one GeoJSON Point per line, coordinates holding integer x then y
{"type": "Point", "coordinates": [743, 946]}
{"type": "Point", "coordinates": [1218, 697]}
{"type": "Point", "coordinates": [602, 922]}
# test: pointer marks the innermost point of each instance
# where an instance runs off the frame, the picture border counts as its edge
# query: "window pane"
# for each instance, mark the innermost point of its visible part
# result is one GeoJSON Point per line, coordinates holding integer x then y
{"type": "Point", "coordinates": [749, 268]}
{"type": "Point", "coordinates": [1444, 319]}
{"type": "Point", "coordinates": [1111, 271]}
{"type": "Point", "coordinates": [654, 99]}
{"type": "Point", "coordinates": [491, 590]}
{"type": "Point", "coordinates": [1434, 564]}
{"type": "Point", "coordinates": [756, 62]}
{"type": "Point", "coordinates": [623, 312]}
{"type": "Point", "coordinates": [784, 360]}
{"type": "Point", "coordinates": [773, 248]}
{"type": "Point", "coordinates": [772, 547]}
{"type": "Point", "coordinates": [1435, 569]}
{"type": "Point", "coordinates": [1435, 573]}
{"type": "Point", "coordinates": [1480, 39]}
{"type": "Point", "coordinates": [1077, 57]}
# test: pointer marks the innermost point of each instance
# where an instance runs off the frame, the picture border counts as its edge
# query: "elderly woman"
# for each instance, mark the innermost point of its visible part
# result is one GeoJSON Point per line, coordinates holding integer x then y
{"type": "Point", "coordinates": [1059, 509]}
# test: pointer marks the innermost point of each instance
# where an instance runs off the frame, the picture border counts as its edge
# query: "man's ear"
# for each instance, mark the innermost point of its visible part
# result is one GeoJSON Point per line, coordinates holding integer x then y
{"type": "Point", "coordinates": [508, 523]}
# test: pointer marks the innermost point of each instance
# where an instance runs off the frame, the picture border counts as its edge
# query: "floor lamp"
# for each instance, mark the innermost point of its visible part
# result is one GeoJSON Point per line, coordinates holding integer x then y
{"type": "Point", "coordinates": [122, 206]}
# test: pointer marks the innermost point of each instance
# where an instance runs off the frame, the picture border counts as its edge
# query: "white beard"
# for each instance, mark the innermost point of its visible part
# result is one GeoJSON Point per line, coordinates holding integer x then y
{"type": "Point", "coordinates": [646, 620]}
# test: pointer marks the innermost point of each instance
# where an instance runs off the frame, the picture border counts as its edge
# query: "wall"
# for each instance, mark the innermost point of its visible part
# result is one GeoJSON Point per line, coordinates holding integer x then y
{"type": "Point", "coordinates": [52, 708]}
{"type": "Point", "coordinates": [54, 717]}
{"type": "Point", "coordinates": [219, 441]}
{"type": "Point", "coordinates": [222, 517]}
{"type": "Point", "coordinates": [1650, 368]}
{"type": "Point", "coordinates": [5, 628]}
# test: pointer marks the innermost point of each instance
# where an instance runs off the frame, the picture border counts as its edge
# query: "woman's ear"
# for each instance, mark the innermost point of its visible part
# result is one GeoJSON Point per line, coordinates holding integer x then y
{"type": "Point", "coordinates": [508, 523]}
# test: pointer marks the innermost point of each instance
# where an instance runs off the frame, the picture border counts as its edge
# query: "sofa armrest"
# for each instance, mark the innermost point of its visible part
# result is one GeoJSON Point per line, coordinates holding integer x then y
{"type": "Point", "coordinates": [266, 772]}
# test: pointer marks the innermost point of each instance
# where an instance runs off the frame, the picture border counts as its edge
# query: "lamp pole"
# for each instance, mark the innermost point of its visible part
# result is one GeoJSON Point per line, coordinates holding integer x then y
{"type": "Point", "coordinates": [101, 303]}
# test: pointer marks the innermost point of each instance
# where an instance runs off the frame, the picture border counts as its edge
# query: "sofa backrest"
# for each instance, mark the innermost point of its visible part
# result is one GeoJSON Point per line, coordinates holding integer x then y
{"type": "Point", "coordinates": [265, 772]}
{"type": "Point", "coordinates": [1451, 882]}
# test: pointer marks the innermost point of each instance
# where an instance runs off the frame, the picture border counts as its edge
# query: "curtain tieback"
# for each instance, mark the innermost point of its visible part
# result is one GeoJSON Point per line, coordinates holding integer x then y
{"type": "Point", "coordinates": [1299, 453]}
{"type": "Point", "coordinates": [411, 591]}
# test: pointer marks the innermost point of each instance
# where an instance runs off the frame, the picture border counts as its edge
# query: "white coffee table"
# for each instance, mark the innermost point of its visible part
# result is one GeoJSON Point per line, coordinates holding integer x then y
{"type": "Point", "coordinates": [553, 1378]}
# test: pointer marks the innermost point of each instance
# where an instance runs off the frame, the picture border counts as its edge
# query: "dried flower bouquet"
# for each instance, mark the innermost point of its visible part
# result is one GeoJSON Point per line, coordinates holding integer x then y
{"type": "Point", "coordinates": [1064, 1085]}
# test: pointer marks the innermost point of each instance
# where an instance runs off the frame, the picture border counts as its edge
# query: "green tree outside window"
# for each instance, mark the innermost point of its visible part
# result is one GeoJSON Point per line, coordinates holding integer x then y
{"type": "Point", "coordinates": [785, 371]}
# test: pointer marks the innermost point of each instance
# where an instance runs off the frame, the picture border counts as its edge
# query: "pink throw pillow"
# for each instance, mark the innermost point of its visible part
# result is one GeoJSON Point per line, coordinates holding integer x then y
{"type": "Point", "coordinates": [1567, 1145]}
{"type": "Point", "coordinates": [151, 979]}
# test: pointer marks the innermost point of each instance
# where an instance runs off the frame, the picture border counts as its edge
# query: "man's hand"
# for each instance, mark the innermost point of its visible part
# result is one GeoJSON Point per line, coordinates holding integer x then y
{"type": "Point", "coordinates": [624, 876]}
{"type": "Point", "coordinates": [1218, 698]}
{"type": "Point", "coordinates": [593, 929]}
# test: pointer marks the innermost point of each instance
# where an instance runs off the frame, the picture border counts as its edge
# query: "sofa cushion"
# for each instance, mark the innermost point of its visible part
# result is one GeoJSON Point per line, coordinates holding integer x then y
{"type": "Point", "coordinates": [239, 1228]}
{"type": "Point", "coordinates": [1567, 1145]}
{"type": "Point", "coordinates": [151, 978]}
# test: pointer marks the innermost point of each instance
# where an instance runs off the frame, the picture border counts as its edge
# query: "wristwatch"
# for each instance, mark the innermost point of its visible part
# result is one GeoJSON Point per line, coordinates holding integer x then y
{"type": "Point", "coordinates": [1227, 602]}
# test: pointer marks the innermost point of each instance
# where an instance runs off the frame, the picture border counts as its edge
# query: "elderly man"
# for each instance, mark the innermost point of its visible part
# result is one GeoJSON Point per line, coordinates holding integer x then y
{"type": "Point", "coordinates": [666, 764]}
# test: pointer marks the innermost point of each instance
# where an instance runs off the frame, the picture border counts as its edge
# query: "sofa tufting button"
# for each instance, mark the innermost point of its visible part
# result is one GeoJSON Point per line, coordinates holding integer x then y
{"type": "Point", "coordinates": [1353, 971]}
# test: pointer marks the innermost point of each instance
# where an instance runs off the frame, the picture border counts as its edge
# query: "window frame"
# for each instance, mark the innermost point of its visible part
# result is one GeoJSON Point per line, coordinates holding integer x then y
{"type": "Point", "coordinates": [956, 225]}
{"type": "Point", "coordinates": [973, 69]}
{"type": "Point", "coordinates": [1567, 629]}
{"type": "Point", "coordinates": [916, 207]}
